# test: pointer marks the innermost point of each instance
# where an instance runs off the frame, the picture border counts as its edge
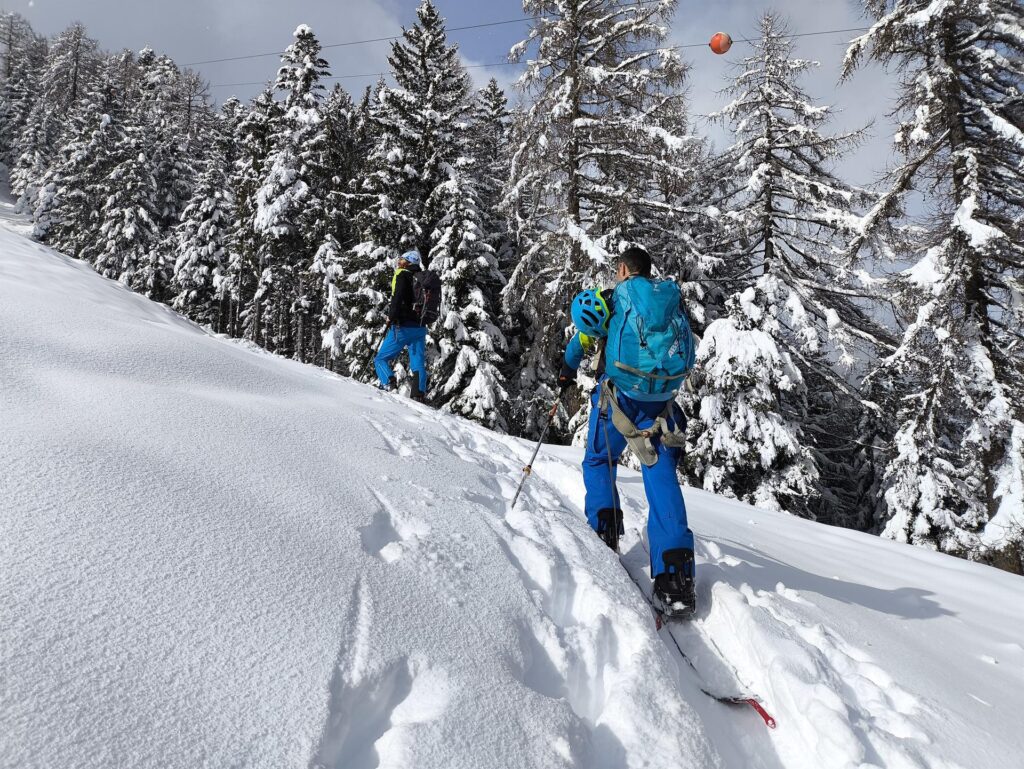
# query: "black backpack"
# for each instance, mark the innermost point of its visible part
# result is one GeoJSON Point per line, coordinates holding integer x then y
{"type": "Point", "coordinates": [427, 296]}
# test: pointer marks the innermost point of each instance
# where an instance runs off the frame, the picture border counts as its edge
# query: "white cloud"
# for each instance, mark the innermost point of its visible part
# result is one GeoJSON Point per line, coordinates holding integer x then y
{"type": "Point", "coordinates": [197, 30]}
{"type": "Point", "coordinates": [481, 75]}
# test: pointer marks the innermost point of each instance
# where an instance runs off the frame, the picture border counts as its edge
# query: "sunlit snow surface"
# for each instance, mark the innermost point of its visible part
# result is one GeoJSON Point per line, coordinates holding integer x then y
{"type": "Point", "coordinates": [211, 557]}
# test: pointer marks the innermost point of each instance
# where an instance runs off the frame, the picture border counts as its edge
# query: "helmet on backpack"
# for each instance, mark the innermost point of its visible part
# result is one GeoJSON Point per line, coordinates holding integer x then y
{"type": "Point", "coordinates": [590, 313]}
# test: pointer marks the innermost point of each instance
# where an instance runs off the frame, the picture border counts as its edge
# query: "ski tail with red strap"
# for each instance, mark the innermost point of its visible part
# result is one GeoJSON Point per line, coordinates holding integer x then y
{"type": "Point", "coordinates": [736, 694]}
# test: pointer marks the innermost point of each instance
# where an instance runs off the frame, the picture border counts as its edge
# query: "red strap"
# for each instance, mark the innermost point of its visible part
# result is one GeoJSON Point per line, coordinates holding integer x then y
{"type": "Point", "coordinates": [769, 721]}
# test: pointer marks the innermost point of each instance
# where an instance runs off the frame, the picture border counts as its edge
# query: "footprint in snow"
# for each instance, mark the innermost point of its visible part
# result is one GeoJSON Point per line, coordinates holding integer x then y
{"type": "Point", "coordinates": [398, 443]}
{"type": "Point", "coordinates": [390, 534]}
{"type": "Point", "coordinates": [373, 716]}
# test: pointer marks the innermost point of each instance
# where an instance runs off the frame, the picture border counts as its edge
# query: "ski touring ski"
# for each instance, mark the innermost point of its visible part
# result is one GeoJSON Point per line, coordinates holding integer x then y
{"type": "Point", "coordinates": [734, 695]}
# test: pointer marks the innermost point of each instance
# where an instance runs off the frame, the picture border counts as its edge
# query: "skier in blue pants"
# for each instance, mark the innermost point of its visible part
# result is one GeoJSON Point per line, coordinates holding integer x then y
{"type": "Point", "coordinates": [397, 339]}
{"type": "Point", "coordinates": [648, 349]}
{"type": "Point", "coordinates": [406, 328]}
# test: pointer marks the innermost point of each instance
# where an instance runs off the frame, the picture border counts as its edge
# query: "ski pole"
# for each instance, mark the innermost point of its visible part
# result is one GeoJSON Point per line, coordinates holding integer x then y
{"type": "Point", "coordinates": [612, 537]}
{"type": "Point", "coordinates": [529, 467]}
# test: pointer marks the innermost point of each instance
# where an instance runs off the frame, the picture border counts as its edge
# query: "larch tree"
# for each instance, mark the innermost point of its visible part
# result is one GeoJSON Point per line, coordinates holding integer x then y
{"type": "Point", "coordinates": [954, 389]}
{"type": "Point", "coordinates": [72, 65]}
{"type": "Point", "coordinates": [786, 221]}
{"type": "Point", "coordinates": [24, 55]}
{"type": "Point", "coordinates": [587, 152]}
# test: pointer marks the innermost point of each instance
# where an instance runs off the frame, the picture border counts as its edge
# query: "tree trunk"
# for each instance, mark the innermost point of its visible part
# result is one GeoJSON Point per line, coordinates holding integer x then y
{"type": "Point", "coordinates": [573, 153]}
{"type": "Point", "coordinates": [975, 301]}
{"type": "Point", "coordinates": [300, 325]}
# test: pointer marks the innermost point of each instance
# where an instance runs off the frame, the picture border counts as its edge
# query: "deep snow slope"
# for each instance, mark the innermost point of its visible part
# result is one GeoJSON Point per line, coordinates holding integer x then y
{"type": "Point", "coordinates": [211, 557]}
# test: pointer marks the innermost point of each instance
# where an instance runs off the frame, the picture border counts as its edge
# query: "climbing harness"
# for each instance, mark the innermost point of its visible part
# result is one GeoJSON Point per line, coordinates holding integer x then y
{"type": "Point", "coordinates": [665, 427]}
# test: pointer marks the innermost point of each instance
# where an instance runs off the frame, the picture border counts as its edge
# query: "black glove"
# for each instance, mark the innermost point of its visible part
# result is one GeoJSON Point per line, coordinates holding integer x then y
{"type": "Point", "coordinates": [566, 378]}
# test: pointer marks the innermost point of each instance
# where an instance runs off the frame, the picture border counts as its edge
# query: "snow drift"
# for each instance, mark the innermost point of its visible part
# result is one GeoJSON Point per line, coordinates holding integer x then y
{"type": "Point", "coordinates": [213, 557]}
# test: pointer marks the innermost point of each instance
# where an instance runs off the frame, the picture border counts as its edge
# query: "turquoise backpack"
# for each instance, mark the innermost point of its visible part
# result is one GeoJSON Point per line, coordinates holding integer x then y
{"type": "Point", "coordinates": [650, 346]}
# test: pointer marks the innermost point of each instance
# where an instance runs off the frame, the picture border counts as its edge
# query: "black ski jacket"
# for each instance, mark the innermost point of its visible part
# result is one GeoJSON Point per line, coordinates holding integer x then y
{"type": "Point", "coordinates": [403, 297]}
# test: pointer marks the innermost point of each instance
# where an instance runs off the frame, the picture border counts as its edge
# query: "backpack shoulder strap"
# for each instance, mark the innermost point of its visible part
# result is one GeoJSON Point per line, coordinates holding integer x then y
{"type": "Point", "coordinates": [394, 280]}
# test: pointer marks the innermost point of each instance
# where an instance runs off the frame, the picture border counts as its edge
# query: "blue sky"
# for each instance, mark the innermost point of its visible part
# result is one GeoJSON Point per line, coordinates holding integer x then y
{"type": "Point", "coordinates": [196, 30]}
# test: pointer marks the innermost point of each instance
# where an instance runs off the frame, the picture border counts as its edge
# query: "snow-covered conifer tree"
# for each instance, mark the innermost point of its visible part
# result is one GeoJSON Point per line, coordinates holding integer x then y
{"type": "Point", "coordinates": [66, 210]}
{"type": "Point", "coordinates": [363, 296]}
{"type": "Point", "coordinates": [588, 151]}
{"type": "Point", "coordinates": [121, 71]}
{"type": "Point", "coordinates": [37, 147]}
{"type": "Point", "coordinates": [954, 390]}
{"type": "Point", "coordinates": [254, 135]}
{"type": "Point", "coordinates": [786, 218]}
{"type": "Point", "coordinates": [228, 281]}
{"type": "Point", "coordinates": [166, 143]}
{"type": "Point", "coordinates": [467, 371]}
{"type": "Point", "coordinates": [129, 233]}
{"type": "Point", "coordinates": [203, 240]}
{"type": "Point", "coordinates": [420, 137]}
{"type": "Point", "coordinates": [740, 443]}
{"type": "Point", "coordinates": [490, 134]}
{"type": "Point", "coordinates": [291, 212]}
{"type": "Point", "coordinates": [329, 267]}
{"type": "Point", "coordinates": [72, 65]}
{"type": "Point", "coordinates": [68, 215]}
{"type": "Point", "coordinates": [345, 155]}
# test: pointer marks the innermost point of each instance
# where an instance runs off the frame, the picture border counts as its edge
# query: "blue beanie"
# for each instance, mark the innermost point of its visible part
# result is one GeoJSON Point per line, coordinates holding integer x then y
{"type": "Point", "coordinates": [412, 257]}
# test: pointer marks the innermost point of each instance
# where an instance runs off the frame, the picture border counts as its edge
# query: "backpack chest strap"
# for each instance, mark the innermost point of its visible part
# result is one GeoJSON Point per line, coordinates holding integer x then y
{"type": "Point", "coordinates": [645, 374]}
{"type": "Point", "coordinates": [642, 441]}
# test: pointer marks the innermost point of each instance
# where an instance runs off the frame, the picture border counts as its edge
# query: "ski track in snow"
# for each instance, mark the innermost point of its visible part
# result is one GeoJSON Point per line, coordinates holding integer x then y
{"type": "Point", "coordinates": [837, 704]}
{"type": "Point", "coordinates": [214, 557]}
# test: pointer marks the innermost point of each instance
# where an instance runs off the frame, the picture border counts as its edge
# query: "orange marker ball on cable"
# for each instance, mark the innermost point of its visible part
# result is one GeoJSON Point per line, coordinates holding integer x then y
{"type": "Point", "coordinates": [720, 42]}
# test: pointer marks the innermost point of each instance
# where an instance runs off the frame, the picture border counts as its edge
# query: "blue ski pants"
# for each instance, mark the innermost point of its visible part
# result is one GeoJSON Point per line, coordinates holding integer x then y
{"type": "Point", "coordinates": [395, 341]}
{"type": "Point", "coordinates": [667, 528]}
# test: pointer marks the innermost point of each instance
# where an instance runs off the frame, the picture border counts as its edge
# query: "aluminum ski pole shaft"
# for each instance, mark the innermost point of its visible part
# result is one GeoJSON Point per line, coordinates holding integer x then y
{"type": "Point", "coordinates": [529, 467]}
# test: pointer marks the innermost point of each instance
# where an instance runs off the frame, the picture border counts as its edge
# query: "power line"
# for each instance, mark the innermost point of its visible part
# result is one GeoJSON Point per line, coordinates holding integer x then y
{"type": "Point", "coordinates": [798, 34]}
{"type": "Point", "coordinates": [512, 63]}
{"type": "Point", "coordinates": [369, 74]}
{"type": "Point", "coordinates": [355, 42]}
{"type": "Point", "coordinates": [520, 20]}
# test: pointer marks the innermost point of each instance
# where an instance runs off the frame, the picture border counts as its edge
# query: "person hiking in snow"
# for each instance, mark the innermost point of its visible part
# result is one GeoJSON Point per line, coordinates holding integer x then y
{"type": "Point", "coordinates": [415, 304]}
{"type": "Point", "coordinates": [642, 330]}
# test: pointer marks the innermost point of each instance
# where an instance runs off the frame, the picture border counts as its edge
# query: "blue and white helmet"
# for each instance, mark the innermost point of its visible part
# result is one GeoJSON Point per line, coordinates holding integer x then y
{"type": "Point", "coordinates": [590, 313]}
{"type": "Point", "coordinates": [412, 257]}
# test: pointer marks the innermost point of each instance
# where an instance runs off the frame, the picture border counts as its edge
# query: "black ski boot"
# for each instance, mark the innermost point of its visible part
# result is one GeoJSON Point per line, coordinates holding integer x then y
{"type": "Point", "coordinates": [414, 391]}
{"type": "Point", "coordinates": [675, 593]}
{"type": "Point", "coordinates": [609, 527]}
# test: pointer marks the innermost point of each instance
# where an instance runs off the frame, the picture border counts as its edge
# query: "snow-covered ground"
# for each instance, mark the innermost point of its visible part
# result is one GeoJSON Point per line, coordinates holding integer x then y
{"type": "Point", "coordinates": [211, 557]}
